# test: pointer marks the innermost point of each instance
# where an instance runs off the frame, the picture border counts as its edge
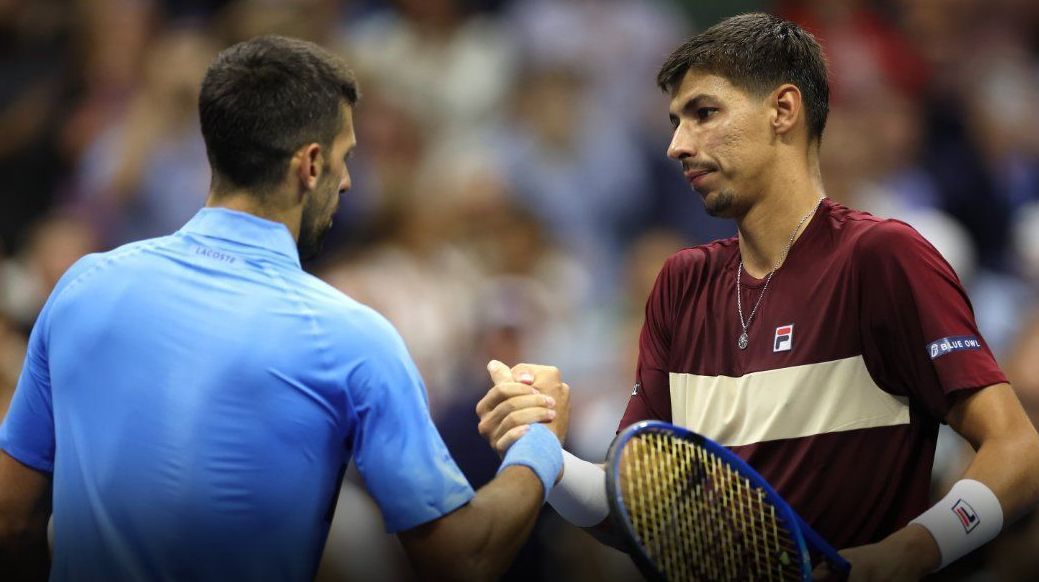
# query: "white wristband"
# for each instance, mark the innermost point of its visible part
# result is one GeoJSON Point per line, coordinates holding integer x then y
{"type": "Point", "coordinates": [580, 496]}
{"type": "Point", "coordinates": [964, 520]}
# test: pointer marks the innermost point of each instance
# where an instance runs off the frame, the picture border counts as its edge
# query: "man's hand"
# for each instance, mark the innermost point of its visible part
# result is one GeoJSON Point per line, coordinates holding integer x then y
{"type": "Point", "coordinates": [526, 394]}
{"type": "Point", "coordinates": [909, 554]}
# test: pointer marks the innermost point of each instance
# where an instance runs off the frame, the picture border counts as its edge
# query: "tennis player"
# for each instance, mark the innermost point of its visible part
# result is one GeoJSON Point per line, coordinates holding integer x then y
{"type": "Point", "coordinates": [188, 403]}
{"type": "Point", "coordinates": [823, 345]}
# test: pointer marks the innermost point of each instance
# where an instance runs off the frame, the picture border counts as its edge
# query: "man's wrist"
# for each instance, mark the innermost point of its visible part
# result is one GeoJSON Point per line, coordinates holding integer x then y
{"type": "Point", "coordinates": [580, 497]}
{"type": "Point", "coordinates": [919, 550]}
{"type": "Point", "coordinates": [540, 450]}
{"type": "Point", "coordinates": [968, 517]}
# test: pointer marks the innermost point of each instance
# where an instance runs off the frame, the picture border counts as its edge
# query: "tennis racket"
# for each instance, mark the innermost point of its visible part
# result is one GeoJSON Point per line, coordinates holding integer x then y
{"type": "Point", "coordinates": [692, 510]}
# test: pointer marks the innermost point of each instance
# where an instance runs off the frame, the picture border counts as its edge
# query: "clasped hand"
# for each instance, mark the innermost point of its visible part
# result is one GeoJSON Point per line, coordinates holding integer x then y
{"type": "Point", "coordinates": [525, 394]}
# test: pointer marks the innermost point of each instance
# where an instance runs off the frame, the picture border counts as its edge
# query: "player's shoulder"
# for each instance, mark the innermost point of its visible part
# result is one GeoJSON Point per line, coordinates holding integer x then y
{"type": "Point", "coordinates": [874, 234]}
{"type": "Point", "coordinates": [696, 259]}
{"type": "Point", "coordinates": [858, 223]}
{"type": "Point", "coordinates": [329, 299]}
{"type": "Point", "coordinates": [89, 266]}
{"type": "Point", "coordinates": [347, 317]}
{"type": "Point", "coordinates": [861, 232]}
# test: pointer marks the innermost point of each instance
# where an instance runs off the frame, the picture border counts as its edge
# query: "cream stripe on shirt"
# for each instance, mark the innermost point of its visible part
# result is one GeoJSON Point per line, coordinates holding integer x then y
{"type": "Point", "coordinates": [793, 402]}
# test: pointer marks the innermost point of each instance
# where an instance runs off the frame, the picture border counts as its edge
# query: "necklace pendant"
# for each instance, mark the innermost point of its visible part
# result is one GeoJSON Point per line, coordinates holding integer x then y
{"type": "Point", "coordinates": [744, 341]}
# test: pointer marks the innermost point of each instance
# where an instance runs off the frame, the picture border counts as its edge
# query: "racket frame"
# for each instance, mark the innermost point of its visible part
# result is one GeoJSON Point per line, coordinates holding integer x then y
{"type": "Point", "coordinates": [801, 533]}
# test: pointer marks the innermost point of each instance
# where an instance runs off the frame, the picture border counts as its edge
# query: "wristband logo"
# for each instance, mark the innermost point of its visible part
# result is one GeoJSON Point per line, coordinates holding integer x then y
{"type": "Point", "coordinates": [968, 518]}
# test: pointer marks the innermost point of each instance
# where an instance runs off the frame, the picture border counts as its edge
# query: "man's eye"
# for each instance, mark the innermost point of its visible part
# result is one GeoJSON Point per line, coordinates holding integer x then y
{"type": "Point", "coordinates": [705, 113]}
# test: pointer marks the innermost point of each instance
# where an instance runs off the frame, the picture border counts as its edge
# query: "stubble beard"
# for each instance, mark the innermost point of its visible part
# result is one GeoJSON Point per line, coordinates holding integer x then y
{"type": "Point", "coordinates": [313, 229]}
{"type": "Point", "coordinates": [721, 204]}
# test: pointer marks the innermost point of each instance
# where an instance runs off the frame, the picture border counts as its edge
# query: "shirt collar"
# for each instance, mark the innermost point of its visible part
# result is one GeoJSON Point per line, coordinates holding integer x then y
{"type": "Point", "coordinates": [244, 228]}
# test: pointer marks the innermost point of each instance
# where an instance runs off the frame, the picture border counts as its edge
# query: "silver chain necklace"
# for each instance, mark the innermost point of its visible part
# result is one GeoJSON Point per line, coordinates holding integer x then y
{"type": "Point", "coordinates": [744, 340]}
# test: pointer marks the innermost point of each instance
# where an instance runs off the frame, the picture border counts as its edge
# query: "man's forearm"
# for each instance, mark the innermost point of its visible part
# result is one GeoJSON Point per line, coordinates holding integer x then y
{"type": "Point", "coordinates": [1001, 482]}
{"type": "Point", "coordinates": [1007, 446]}
{"type": "Point", "coordinates": [1010, 468]}
{"type": "Point", "coordinates": [480, 539]}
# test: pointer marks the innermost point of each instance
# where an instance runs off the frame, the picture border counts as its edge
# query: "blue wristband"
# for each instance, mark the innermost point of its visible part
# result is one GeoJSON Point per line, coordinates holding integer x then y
{"type": "Point", "coordinates": [540, 450]}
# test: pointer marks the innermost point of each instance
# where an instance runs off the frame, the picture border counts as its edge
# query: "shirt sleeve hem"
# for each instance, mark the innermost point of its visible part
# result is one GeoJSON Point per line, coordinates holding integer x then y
{"type": "Point", "coordinates": [27, 458]}
{"type": "Point", "coordinates": [966, 389]}
{"type": "Point", "coordinates": [976, 383]}
{"type": "Point", "coordinates": [430, 513]}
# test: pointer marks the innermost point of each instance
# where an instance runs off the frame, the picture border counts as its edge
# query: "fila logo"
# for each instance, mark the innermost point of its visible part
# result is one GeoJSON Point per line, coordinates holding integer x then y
{"type": "Point", "coordinates": [784, 338]}
{"type": "Point", "coordinates": [968, 518]}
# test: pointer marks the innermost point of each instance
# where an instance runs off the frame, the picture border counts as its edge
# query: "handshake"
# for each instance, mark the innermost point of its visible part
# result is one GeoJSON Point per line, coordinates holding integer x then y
{"type": "Point", "coordinates": [522, 396]}
{"type": "Point", "coordinates": [519, 416]}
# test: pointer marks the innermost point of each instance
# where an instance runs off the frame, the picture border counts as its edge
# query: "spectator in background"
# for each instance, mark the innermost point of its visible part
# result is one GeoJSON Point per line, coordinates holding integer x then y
{"type": "Point", "coordinates": [570, 165]}
{"type": "Point", "coordinates": [983, 171]}
{"type": "Point", "coordinates": [612, 43]}
{"type": "Point", "coordinates": [26, 280]}
{"type": "Point", "coordinates": [449, 66]}
{"type": "Point", "coordinates": [148, 174]}
{"type": "Point", "coordinates": [573, 144]}
{"type": "Point", "coordinates": [597, 405]}
{"type": "Point", "coordinates": [1023, 366]}
{"type": "Point", "coordinates": [71, 71]}
{"type": "Point", "coordinates": [36, 81]}
{"type": "Point", "coordinates": [505, 241]}
{"type": "Point", "coordinates": [312, 20]}
{"type": "Point", "coordinates": [396, 144]}
{"type": "Point", "coordinates": [1002, 121]}
{"type": "Point", "coordinates": [12, 352]}
{"type": "Point", "coordinates": [1023, 358]}
{"type": "Point", "coordinates": [111, 40]}
{"type": "Point", "coordinates": [156, 464]}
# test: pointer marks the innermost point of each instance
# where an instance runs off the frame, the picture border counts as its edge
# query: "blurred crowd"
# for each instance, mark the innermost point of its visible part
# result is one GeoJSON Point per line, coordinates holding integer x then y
{"type": "Point", "coordinates": [511, 194]}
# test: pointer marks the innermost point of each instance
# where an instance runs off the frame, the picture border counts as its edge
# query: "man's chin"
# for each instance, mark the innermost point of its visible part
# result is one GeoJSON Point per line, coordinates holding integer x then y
{"type": "Point", "coordinates": [717, 204]}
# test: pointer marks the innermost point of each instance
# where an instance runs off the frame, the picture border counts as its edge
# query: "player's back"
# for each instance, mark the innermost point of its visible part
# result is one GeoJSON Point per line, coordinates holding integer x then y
{"type": "Point", "coordinates": [199, 412]}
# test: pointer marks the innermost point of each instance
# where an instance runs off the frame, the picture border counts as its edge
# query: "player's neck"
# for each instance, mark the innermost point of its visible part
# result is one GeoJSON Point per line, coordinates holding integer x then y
{"type": "Point", "coordinates": [765, 230]}
{"type": "Point", "coordinates": [243, 201]}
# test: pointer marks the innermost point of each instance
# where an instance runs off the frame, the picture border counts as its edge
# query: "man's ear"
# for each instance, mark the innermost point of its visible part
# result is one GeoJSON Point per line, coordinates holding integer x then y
{"type": "Point", "coordinates": [308, 163]}
{"type": "Point", "coordinates": [787, 109]}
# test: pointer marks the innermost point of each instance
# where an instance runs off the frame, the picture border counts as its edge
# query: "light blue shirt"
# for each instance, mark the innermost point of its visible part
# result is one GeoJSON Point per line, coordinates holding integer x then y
{"type": "Point", "coordinates": [196, 397]}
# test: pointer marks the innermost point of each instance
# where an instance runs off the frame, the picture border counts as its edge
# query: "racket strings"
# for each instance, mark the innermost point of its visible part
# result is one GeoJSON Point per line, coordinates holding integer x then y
{"type": "Point", "coordinates": [698, 518]}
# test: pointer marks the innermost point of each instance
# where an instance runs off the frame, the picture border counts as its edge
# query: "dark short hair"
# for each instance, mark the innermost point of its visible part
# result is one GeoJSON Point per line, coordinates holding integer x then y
{"type": "Point", "coordinates": [757, 52]}
{"type": "Point", "coordinates": [263, 99]}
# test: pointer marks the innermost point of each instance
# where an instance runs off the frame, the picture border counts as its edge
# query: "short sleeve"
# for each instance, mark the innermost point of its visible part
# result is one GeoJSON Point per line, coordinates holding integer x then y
{"type": "Point", "coordinates": [27, 433]}
{"type": "Point", "coordinates": [920, 336]}
{"type": "Point", "coordinates": [651, 396]}
{"type": "Point", "coordinates": [406, 466]}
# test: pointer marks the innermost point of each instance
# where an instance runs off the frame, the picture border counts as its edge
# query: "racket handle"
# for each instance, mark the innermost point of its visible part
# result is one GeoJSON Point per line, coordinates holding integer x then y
{"type": "Point", "coordinates": [837, 563]}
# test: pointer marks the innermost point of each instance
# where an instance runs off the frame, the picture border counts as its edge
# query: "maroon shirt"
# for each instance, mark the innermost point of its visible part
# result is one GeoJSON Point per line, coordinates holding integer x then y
{"type": "Point", "coordinates": [861, 344]}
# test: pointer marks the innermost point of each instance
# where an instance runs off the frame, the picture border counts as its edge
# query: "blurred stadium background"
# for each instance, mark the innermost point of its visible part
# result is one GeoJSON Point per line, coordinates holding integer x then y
{"type": "Point", "coordinates": [511, 194]}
